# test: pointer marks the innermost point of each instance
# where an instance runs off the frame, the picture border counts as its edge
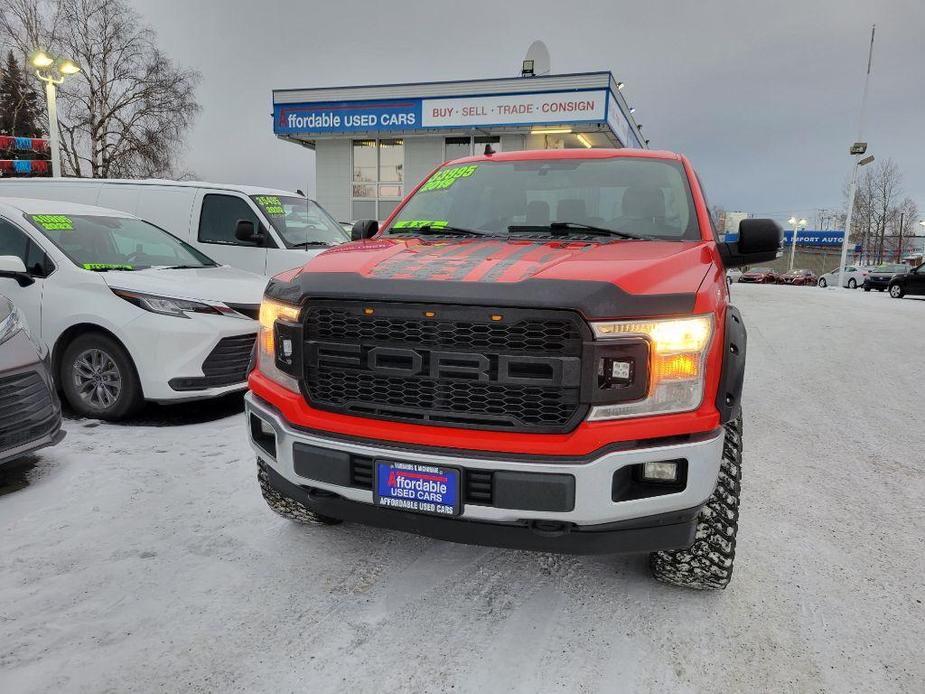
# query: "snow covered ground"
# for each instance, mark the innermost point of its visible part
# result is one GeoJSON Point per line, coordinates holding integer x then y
{"type": "Point", "coordinates": [142, 558]}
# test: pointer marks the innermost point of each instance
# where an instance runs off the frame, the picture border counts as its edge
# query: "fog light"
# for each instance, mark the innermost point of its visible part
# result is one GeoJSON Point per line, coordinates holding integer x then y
{"type": "Point", "coordinates": [265, 428]}
{"type": "Point", "coordinates": [660, 472]}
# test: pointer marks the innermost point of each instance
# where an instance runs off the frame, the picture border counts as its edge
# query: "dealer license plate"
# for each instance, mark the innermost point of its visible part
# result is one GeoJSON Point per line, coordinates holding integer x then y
{"type": "Point", "coordinates": [417, 487]}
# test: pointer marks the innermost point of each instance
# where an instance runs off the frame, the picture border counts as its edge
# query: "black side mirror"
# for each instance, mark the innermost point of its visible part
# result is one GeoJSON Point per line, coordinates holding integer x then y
{"type": "Point", "coordinates": [759, 242]}
{"type": "Point", "coordinates": [13, 268]}
{"type": "Point", "coordinates": [364, 229]}
{"type": "Point", "coordinates": [244, 230]}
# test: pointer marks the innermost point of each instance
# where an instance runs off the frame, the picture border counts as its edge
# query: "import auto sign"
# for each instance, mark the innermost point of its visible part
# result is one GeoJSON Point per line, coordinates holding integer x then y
{"type": "Point", "coordinates": [515, 109]}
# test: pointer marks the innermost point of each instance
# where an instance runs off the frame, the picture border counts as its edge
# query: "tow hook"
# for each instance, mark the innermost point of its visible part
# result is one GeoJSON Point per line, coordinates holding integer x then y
{"type": "Point", "coordinates": [545, 528]}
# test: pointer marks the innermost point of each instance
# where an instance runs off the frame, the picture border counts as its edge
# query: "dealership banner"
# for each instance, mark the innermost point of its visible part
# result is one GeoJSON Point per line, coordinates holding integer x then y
{"type": "Point", "coordinates": [549, 108]}
{"type": "Point", "coordinates": [809, 237]}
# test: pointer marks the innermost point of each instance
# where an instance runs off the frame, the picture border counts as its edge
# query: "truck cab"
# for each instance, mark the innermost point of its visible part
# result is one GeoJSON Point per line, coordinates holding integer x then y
{"type": "Point", "coordinates": [536, 351]}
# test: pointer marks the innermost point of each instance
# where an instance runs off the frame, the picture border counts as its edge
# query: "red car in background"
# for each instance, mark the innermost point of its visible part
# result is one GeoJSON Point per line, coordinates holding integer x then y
{"type": "Point", "coordinates": [760, 275]}
{"type": "Point", "coordinates": [799, 277]}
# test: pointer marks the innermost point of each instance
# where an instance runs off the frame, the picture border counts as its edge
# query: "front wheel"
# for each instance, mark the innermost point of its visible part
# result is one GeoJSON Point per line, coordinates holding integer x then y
{"type": "Point", "coordinates": [707, 564]}
{"type": "Point", "coordinates": [852, 284]}
{"type": "Point", "coordinates": [98, 378]}
{"type": "Point", "coordinates": [896, 291]}
{"type": "Point", "coordinates": [822, 282]}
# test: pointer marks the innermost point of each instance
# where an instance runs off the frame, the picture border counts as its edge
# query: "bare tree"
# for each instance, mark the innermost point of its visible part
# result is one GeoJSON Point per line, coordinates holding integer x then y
{"type": "Point", "coordinates": [126, 113]}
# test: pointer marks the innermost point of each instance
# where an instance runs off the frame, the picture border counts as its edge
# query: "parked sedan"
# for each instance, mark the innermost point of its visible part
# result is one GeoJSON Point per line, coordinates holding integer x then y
{"type": "Point", "coordinates": [854, 277]}
{"type": "Point", "coordinates": [880, 276]}
{"type": "Point", "coordinates": [30, 414]}
{"type": "Point", "coordinates": [760, 275]}
{"type": "Point", "coordinates": [910, 283]}
{"type": "Point", "coordinates": [128, 311]}
{"type": "Point", "coordinates": [799, 278]}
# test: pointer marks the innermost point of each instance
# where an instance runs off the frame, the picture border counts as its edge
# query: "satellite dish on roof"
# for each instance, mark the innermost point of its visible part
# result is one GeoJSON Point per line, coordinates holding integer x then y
{"type": "Point", "coordinates": [536, 62]}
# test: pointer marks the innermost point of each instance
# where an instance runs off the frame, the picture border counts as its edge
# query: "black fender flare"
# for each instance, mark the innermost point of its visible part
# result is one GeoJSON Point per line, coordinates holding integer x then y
{"type": "Point", "coordinates": [729, 392]}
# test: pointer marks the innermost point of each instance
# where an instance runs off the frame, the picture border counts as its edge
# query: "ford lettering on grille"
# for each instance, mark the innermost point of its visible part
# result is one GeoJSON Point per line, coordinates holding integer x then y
{"type": "Point", "coordinates": [490, 368]}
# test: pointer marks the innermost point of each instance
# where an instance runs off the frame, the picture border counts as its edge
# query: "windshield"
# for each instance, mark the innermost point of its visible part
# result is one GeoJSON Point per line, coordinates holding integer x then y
{"type": "Point", "coordinates": [890, 268]}
{"type": "Point", "coordinates": [300, 222]}
{"type": "Point", "coordinates": [760, 269]}
{"type": "Point", "coordinates": [102, 243]}
{"type": "Point", "coordinates": [643, 197]}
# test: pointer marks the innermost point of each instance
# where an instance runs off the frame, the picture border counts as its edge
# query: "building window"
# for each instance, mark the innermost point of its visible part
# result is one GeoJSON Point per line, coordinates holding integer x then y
{"type": "Point", "coordinates": [459, 147]}
{"type": "Point", "coordinates": [378, 177]}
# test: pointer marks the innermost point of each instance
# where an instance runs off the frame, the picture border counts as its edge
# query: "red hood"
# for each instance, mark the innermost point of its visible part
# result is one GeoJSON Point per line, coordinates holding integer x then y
{"type": "Point", "coordinates": [640, 267]}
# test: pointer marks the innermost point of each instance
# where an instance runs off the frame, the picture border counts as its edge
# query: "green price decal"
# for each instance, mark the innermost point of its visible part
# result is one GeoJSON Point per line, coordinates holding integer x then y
{"type": "Point", "coordinates": [444, 178]}
{"type": "Point", "coordinates": [418, 223]}
{"type": "Point", "coordinates": [271, 205]}
{"type": "Point", "coordinates": [107, 266]}
{"type": "Point", "coordinates": [53, 222]}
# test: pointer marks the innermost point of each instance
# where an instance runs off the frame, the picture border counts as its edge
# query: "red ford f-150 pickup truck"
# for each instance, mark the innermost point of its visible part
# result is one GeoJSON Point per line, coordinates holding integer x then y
{"type": "Point", "coordinates": [536, 351]}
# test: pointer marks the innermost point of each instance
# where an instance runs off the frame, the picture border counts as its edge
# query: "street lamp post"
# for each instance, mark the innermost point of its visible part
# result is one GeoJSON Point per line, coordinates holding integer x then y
{"type": "Point", "coordinates": [857, 149]}
{"type": "Point", "coordinates": [797, 225]}
{"type": "Point", "coordinates": [52, 72]}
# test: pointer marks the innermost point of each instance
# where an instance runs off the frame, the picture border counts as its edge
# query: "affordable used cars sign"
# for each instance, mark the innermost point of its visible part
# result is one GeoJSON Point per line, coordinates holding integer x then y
{"type": "Point", "coordinates": [347, 116]}
{"type": "Point", "coordinates": [454, 112]}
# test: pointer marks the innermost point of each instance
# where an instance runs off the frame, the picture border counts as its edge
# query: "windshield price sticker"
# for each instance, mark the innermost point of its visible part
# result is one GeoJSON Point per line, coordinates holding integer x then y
{"type": "Point", "coordinates": [271, 205]}
{"type": "Point", "coordinates": [444, 178]}
{"type": "Point", "coordinates": [53, 222]}
{"type": "Point", "coordinates": [418, 223]}
{"type": "Point", "coordinates": [107, 266]}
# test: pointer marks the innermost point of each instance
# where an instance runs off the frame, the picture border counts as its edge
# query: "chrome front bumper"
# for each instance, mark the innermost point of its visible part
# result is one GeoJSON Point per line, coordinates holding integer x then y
{"type": "Point", "coordinates": [593, 479]}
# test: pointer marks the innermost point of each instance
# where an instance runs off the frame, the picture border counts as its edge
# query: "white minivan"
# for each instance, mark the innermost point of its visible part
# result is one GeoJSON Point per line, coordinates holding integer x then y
{"type": "Point", "coordinates": [128, 312]}
{"type": "Point", "coordinates": [260, 230]}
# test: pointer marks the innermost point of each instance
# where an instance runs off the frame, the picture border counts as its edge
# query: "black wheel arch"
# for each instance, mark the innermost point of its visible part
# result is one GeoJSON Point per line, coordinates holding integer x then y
{"type": "Point", "coordinates": [732, 376]}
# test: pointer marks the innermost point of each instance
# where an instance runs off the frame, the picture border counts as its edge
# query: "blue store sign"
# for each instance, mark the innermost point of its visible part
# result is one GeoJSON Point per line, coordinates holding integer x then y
{"type": "Point", "coordinates": [810, 237]}
{"type": "Point", "coordinates": [348, 116]}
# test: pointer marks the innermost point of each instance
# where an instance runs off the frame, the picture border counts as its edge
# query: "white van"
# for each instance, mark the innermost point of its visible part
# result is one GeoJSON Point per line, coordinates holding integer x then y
{"type": "Point", "coordinates": [260, 230]}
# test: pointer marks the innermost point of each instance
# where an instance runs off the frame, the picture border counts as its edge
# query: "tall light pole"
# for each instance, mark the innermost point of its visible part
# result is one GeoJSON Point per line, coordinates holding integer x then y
{"type": "Point", "coordinates": [52, 72]}
{"type": "Point", "coordinates": [858, 163]}
{"type": "Point", "coordinates": [797, 225]}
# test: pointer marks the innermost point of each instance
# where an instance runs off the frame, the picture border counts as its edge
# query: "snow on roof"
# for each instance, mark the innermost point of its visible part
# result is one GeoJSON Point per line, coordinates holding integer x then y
{"type": "Point", "coordinates": [36, 206]}
{"type": "Point", "coordinates": [246, 190]}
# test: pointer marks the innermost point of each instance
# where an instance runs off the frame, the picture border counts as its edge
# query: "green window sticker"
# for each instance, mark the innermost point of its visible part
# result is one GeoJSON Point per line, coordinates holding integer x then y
{"type": "Point", "coordinates": [418, 223]}
{"type": "Point", "coordinates": [107, 266]}
{"type": "Point", "coordinates": [53, 222]}
{"type": "Point", "coordinates": [444, 178]}
{"type": "Point", "coordinates": [271, 205]}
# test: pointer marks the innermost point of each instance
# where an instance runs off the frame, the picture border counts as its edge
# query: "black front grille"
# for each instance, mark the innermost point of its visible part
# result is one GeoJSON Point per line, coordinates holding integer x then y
{"type": "Point", "coordinates": [27, 409]}
{"type": "Point", "coordinates": [227, 363]}
{"type": "Point", "coordinates": [489, 368]}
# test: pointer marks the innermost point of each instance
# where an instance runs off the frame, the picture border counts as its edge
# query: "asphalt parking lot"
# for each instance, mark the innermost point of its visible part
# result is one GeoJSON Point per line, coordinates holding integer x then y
{"type": "Point", "coordinates": [142, 558]}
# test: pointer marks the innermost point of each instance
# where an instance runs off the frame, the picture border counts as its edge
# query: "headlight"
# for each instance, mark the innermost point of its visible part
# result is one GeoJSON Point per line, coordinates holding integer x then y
{"type": "Point", "coordinates": [270, 312]}
{"type": "Point", "coordinates": [11, 325]}
{"type": "Point", "coordinates": [167, 306]}
{"type": "Point", "coordinates": [678, 350]}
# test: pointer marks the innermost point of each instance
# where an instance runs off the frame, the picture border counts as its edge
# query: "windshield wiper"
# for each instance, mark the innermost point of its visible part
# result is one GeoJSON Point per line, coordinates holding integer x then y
{"type": "Point", "coordinates": [428, 229]}
{"type": "Point", "coordinates": [312, 244]}
{"type": "Point", "coordinates": [184, 267]}
{"type": "Point", "coordinates": [564, 228]}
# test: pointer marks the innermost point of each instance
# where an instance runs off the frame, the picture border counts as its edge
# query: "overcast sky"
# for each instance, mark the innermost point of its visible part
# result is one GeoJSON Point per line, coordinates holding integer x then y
{"type": "Point", "coordinates": [764, 97]}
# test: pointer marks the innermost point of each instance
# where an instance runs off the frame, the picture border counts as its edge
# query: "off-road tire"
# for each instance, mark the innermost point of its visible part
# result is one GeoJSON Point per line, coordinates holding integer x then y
{"type": "Point", "coordinates": [288, 507]}
{"type": "Point", "coordinates": [707, 564]}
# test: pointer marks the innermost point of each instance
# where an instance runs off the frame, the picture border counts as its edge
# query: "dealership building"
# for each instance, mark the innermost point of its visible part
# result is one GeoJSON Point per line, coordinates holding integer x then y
{"type": "Point", "coordinates": [372, 143]}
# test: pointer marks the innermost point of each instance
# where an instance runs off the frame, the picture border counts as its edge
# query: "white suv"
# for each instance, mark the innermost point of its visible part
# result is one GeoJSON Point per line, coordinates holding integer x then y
{"type": "Point", "coordinates": [129, 312]}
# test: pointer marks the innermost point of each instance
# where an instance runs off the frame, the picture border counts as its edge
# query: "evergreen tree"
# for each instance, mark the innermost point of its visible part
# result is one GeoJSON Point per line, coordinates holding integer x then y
{"type": "Point", "coordinates": [20, 110]}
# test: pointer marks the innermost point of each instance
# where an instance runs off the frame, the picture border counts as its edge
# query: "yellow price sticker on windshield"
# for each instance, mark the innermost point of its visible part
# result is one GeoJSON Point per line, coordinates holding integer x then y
{"type": "Point", "coordinates": [418, 223]}
{"type": "Point", "coordinates": [444, 178]}
{"type": "Point", "coordinates": [54, 222]}
{"type": "Point", "coordinates": [271, 205]}
{"type": "Point", "coordinates": [107, 266]}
